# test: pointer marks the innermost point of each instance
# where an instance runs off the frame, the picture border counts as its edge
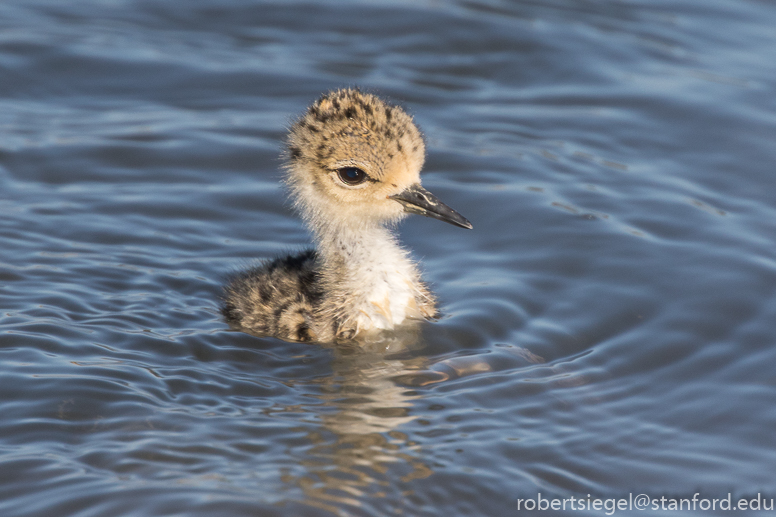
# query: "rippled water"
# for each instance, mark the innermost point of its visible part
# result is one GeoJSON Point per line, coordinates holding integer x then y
{"type": "Point", "coordinates": [610, 322]}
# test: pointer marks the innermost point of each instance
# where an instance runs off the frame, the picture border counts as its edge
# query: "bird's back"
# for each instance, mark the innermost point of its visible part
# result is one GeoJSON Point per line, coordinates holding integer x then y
{"type": "Point", "coordinates": [277, 298]}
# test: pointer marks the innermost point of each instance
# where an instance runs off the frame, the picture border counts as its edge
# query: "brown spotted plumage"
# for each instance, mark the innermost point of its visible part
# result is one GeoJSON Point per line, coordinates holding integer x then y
{"type": "Point", "coordinates": [353, 169]}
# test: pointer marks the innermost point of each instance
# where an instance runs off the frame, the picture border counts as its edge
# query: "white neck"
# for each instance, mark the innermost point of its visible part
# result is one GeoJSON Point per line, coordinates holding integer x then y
{"type": "Point", "coordinates": [369, 273]}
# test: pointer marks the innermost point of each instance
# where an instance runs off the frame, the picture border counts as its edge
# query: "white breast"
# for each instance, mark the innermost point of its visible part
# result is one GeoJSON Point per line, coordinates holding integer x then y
{"type": "Point", "coordinates": [390, 300]}
{"type": "Point", "coordinates": [382, 279]}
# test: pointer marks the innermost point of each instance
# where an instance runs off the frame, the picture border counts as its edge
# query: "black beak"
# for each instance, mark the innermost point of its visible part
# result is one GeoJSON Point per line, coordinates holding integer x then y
{"type": "Point", "coordinates": [417, 200]}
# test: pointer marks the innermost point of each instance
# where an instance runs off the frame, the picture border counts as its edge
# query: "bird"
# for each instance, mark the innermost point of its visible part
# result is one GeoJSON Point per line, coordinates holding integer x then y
{"type": "Point", "coordinates": [352, 166]}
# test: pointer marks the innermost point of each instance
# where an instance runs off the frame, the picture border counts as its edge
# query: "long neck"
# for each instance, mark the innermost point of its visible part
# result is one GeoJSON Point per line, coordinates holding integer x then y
{"type": "Point", "coordinates": [354, 251]}
{"type": "Point", "coordinates": [358, 256]}
{"type": "Point", "coordinates": [367, 279]}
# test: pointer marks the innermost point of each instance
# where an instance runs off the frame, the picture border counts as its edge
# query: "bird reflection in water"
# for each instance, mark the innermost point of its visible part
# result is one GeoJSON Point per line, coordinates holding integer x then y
{"type": "Point", "coordinates": [358, 451]}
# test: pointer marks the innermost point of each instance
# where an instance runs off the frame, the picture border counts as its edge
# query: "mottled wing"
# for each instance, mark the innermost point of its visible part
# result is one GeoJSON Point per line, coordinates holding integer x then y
{"type": "Point", "coordinates": [277, 298]}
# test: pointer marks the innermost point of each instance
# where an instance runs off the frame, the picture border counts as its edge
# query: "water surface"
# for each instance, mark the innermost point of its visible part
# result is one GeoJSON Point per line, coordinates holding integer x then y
{"type": "Point", "coordinates": [609, 324]}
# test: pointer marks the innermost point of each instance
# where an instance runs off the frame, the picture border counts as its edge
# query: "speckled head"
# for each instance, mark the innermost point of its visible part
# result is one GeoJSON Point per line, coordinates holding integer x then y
{"type": "Point", "coordinates": [352, 158]}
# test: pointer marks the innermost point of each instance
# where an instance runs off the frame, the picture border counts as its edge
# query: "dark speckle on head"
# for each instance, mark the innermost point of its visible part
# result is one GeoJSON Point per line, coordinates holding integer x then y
{"type": "Point", "coordinates": [350, 112]}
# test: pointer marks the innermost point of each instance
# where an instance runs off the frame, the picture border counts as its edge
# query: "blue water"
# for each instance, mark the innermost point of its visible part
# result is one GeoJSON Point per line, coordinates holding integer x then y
{"type": "Point", "coordinates": [610, 323]}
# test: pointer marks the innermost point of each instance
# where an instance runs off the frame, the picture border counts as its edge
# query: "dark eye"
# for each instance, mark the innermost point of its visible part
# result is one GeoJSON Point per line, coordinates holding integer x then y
{"type": "Point", "coordinates": [351, 175]}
